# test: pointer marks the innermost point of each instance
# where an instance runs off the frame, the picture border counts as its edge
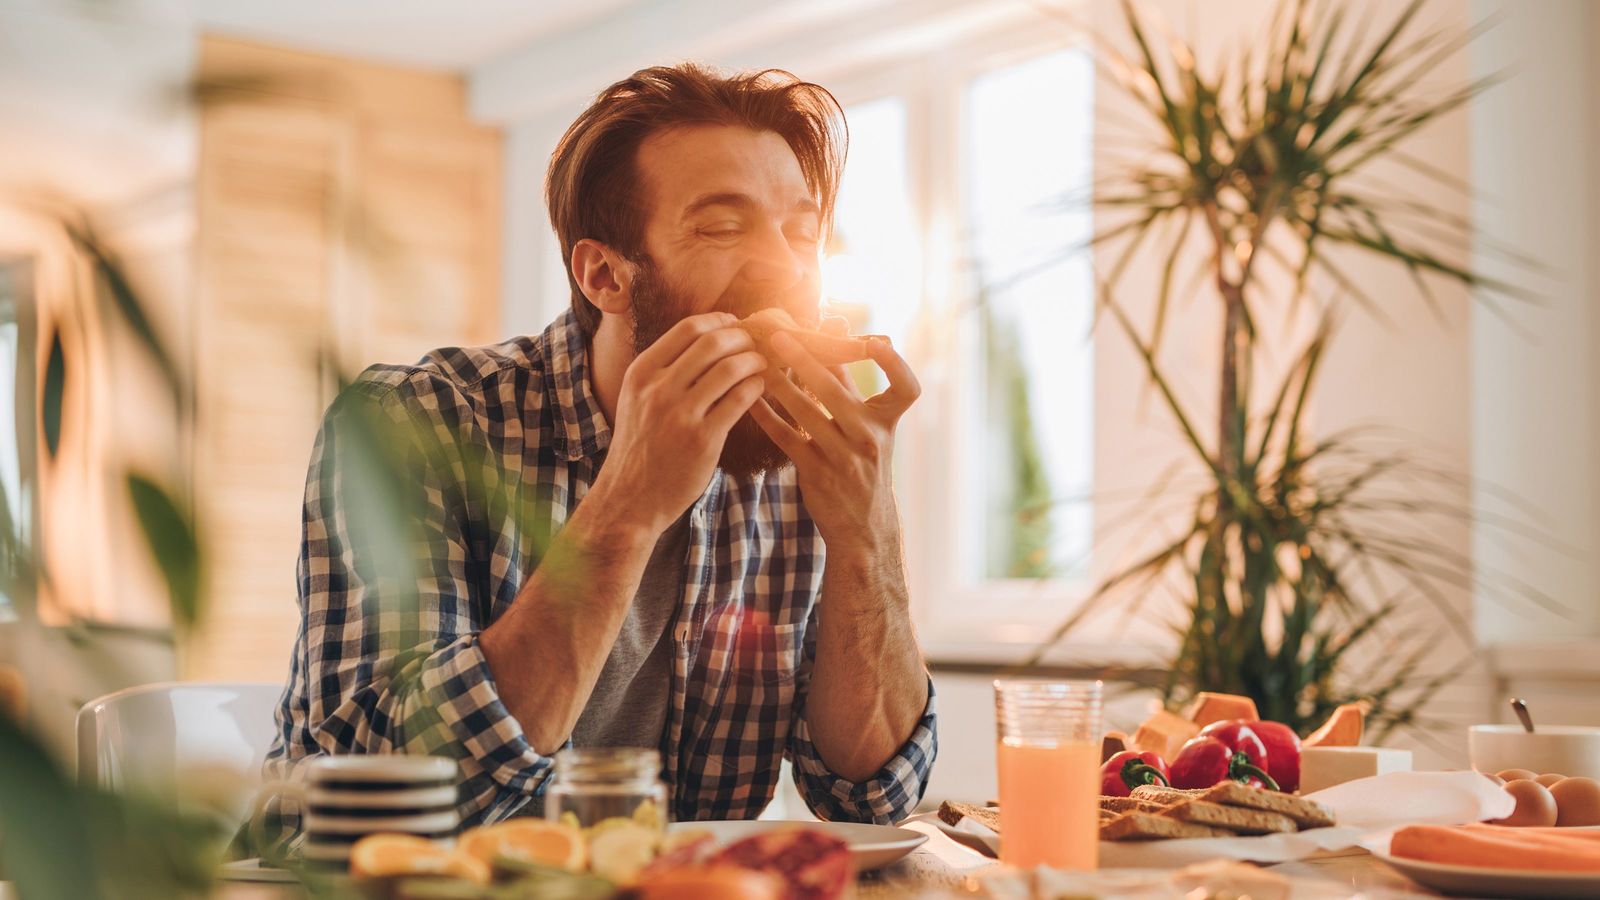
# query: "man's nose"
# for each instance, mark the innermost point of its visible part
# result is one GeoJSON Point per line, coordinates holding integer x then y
{"type": "Point", "coordinates": [776, 263]}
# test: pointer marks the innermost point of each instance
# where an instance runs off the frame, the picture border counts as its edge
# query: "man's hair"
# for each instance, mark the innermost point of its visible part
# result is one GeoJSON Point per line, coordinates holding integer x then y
{"type": "Point", "coordinates": [592, 187]}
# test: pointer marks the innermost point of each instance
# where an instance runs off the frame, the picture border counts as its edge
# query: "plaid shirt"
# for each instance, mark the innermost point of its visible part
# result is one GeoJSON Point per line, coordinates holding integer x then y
{"type": "Point", "coordinates": [365, 679]}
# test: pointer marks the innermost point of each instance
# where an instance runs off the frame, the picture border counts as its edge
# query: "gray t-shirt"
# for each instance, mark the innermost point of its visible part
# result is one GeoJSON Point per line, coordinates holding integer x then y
{"type": "Point", "coordinates": [629, 705]}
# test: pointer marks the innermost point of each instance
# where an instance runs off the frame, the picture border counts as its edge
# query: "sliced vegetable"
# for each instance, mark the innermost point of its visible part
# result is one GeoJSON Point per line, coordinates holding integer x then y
{"type": "Point", "coordinates": [1207, 707]}
{"type": "Point", "coordinates": [1343, 728]}
{"type": "Point", "coordinates": [1496, 848]}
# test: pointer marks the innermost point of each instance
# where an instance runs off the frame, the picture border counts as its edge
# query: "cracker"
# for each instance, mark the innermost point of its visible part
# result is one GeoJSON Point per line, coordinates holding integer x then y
{"type": "Point", "coordinates": [1138, 826]}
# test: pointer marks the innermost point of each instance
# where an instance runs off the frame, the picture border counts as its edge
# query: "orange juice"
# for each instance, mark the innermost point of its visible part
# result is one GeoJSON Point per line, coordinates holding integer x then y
{"type": "Point", "coordinates": [1049, 804]}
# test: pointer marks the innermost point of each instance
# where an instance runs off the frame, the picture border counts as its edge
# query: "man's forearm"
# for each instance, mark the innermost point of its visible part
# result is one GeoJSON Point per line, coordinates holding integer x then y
{"type": "Point", "coordinates": [547, 650]}
{"type": "Point", "coordinates": [868, 685]}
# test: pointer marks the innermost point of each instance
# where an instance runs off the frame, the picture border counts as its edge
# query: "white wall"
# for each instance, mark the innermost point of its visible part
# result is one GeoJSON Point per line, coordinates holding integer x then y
{"type": "Point", "coordinates": [1536, 423]}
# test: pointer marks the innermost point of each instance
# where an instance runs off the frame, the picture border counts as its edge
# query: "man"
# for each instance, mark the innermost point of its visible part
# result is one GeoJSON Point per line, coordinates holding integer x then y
{"type": "Point", "coordinates": [611, 546]}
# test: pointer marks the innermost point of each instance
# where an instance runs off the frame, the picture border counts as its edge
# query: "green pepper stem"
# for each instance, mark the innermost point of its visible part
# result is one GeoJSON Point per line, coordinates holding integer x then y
{"type": "Point", "coordinates": [1136, 772]}
{"type": "Point", "coordinates": [1240, 768]}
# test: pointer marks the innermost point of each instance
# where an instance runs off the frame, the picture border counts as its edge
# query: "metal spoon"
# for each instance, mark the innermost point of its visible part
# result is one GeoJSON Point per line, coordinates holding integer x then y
{"type": "Point", "coordinates": [1521, 709]}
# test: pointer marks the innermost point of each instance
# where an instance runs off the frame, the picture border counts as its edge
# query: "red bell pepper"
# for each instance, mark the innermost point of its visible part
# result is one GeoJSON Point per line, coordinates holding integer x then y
{"type": "Point", "coordinates": [1231, 752]}
{"type": "Point", "coordinates": [1283, 751]}
{"type": "Point", "coordinates": [1127, 770]}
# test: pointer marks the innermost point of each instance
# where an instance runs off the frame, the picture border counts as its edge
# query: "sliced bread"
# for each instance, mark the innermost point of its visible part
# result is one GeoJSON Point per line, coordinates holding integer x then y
{"type": "Point", "coordinates": [951, 812]}
{"type": "Point", "coordinates": [1138, 826]}
{"type": "Point", "coordinates": [1236, 819]}
{"type": "Point", "coordinates": [1305, 813]}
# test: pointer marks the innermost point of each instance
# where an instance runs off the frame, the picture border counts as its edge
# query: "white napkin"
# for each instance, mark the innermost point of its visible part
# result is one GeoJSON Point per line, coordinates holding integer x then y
{"type": "Point", "coordinates": [950, 850]}
{"type": "Point", "coordinates": [1369, 810]}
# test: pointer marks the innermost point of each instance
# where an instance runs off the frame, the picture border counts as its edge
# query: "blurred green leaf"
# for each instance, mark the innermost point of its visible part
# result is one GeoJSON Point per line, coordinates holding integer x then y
{"type": "Point", "coordinates": [55, 390]}
{"type": "Point", "coordinates": [110, 275]}
{"type": "Point", "coordinates": [44, 839]}
{"type": "Point", "coordinates": [171, 537]}
{"type": "Point", "coordinates": [64, 839]}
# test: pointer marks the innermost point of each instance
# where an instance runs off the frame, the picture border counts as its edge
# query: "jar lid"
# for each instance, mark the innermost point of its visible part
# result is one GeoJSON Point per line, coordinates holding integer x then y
{"type": "Point", "coordinates": [608, 764]}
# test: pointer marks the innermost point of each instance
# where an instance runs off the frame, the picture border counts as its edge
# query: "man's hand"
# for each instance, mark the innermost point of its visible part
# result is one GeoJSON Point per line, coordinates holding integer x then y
{"type": "Point", "coordinates": [843, 463]}
{"type": "Point", "coordinates": [679, 400]}
{"type": "Point", "coordinates": [868, 686]}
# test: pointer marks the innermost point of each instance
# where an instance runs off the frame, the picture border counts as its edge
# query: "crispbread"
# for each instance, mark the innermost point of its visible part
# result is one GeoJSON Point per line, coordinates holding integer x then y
{"type": "Point", "coordinates": [1237, 819]}
{"type": "Point", "coordinates": [1138, 826]}
{"type": "Point", "coordinates": [951, 813]}
{"type": "Point", "coordinates": [1165, 796]}
{"type": "Point", "coordinates": [1129, 804]}
{"type": "Point", "coordinates": [1305, 813]}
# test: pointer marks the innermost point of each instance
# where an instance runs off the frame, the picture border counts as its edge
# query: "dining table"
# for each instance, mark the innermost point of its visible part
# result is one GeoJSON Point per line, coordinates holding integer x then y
{"type": "Point", "coordinates": [942, 868]}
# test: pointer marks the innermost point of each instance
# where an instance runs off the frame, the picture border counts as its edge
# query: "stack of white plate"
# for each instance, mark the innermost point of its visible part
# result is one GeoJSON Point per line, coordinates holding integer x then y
{"type": "Point", "coordinates": [349, 797]}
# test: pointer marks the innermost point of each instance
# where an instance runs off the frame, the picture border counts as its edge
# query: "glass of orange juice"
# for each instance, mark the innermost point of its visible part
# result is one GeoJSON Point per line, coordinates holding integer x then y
{"type": "Point", "coordinates": [1049, 759]}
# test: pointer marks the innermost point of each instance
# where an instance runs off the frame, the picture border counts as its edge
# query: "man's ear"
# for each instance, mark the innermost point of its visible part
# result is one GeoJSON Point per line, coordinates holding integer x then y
{"type": "Point", "coordinates": [605, 277]}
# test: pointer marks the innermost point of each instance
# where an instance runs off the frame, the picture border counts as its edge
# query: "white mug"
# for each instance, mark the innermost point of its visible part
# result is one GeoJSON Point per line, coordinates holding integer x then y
{"type": "Point", "coordinates": [343, 798]}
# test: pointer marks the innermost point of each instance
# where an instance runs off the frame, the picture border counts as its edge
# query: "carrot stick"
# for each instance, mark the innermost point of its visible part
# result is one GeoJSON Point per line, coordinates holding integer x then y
{"type": "Point", "coordinates": [1505, 849]}
{"type": "Point", "coordinates": [1579, 833]}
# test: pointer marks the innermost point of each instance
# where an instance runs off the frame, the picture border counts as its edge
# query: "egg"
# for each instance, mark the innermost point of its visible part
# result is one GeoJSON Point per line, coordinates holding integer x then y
{"type": "Point", "coordinates": [1515, 775]}
{"type": "Point", "coordinates": [1498, 781]}
{"type": "Point", "coordinates": [1577, 801]}
{"type": "Point", "coordinates": [1549, 780]}
{"type": "Point", "coordinates": [1536, 808]}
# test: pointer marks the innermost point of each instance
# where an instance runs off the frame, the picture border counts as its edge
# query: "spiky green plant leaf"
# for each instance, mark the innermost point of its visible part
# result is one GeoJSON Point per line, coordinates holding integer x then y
{"type": "Point", "coordinates": [1270, 154]}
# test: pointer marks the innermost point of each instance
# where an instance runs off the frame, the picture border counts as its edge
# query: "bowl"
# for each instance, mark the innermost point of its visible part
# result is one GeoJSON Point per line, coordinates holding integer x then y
{"type": "Point", "coordinates": [1563, 749]}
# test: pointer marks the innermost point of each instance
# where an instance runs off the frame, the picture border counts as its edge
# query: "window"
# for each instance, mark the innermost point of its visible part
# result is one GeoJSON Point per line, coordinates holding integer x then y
{"type": "Point", "coordinates": [16, 409]}
{"type": "Point", "coordinates": [955, 234]}
{"type": "Point", "coordinates": [1027, 155]}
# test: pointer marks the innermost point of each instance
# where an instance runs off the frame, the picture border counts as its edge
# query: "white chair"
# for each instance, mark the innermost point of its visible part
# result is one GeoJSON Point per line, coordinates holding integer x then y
{"type": "Point", "coordinates": [203, 741]}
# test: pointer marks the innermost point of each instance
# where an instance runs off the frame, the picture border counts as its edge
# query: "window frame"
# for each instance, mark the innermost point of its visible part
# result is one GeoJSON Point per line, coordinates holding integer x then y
{"type": "Point", "coordinates": [990, 620]}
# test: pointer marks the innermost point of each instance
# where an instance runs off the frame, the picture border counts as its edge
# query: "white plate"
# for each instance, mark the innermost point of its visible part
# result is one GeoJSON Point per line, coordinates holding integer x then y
{"type": "Point", "coordinates": [254, 869]}
{"type": "Point", "coordinates": [871, 846]}
{"type": "Point", "coordinates": [1472, 881]}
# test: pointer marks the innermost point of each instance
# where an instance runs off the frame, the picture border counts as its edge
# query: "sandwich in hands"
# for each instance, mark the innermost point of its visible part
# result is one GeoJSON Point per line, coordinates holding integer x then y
{"type": "Point", "coordinates": [830, 343]}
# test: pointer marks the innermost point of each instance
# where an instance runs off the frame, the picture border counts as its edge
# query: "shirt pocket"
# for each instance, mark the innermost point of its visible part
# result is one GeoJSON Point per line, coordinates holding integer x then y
{"type": "Point", "coordinates": [766, 654]}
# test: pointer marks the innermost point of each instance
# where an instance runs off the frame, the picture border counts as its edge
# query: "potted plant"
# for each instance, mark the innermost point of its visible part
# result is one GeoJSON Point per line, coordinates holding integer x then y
{"type": "Point", "coordinates": [1262, 156]}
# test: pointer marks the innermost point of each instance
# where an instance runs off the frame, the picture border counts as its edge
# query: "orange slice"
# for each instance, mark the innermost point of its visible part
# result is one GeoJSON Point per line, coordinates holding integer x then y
{"type": "Point", "coordinates": [620, 852]}
{"type": "Point", "coordinates": [529, 840]}
{"type": "Point", "coordinates": [467, 868]}
{"type": "Point", "coordinates": [385, 855]}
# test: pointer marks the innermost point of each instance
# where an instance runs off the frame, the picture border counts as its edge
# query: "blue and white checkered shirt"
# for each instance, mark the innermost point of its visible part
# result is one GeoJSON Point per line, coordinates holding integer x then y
{"type": "Point", "coordinates": [521, 418]}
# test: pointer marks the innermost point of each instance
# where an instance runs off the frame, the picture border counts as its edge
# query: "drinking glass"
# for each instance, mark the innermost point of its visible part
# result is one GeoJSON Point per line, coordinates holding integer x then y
{"type": "Point", "coordinates": [1049, 760]}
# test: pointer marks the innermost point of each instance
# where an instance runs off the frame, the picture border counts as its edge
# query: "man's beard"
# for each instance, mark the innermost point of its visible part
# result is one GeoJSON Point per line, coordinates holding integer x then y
{"type": "Point", "coordinates": [657, 306]}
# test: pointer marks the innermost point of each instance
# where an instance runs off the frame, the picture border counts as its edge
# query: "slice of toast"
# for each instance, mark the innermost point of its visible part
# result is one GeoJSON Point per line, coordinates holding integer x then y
{"type": "Point", "coordinates": [1305, 813]}
{"type": "Point", "coordinates": [951, 813]}
{"type": "Point", "coordinates": [832, 347]}
{"type": "Point", "coordinates": [1236, 819]}
{"type": "Point", "coordinates": [1138, 826]}
{"type": "Point", "coordinates": [1130, 804]}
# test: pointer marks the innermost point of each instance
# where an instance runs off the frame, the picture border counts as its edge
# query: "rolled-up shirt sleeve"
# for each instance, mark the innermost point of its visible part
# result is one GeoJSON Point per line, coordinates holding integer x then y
{"type": "Point", "coordinates": [888, 796]}
{"type": "Point", "coordinates": [387, 659]}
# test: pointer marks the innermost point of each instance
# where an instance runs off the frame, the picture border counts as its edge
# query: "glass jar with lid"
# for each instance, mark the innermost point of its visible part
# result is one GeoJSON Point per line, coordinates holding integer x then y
{"type": "Point", "coordinates": [594, 784]}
